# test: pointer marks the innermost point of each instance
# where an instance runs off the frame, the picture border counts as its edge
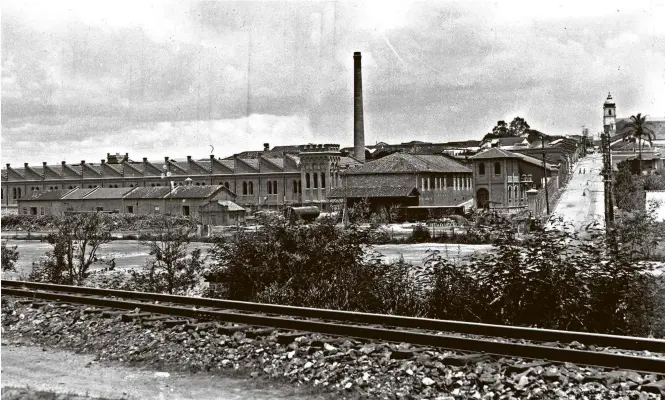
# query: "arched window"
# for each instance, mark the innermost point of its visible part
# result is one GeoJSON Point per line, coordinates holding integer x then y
{"type": "Point", "coordinates": [481, 169]}
{"type": "Point", "coordinates": [251, 187]}
{"type": "Point", "coordinates": [14, 192]}
{"type": "Point", "coordinates": [131, 185]}
{"type": "Point", "coordinates": [55, 187]}
{"type": "Point", "coordinates": [19, 193]}
{"type": "Point", "coordinates": [203, 183]}
{"type": "Point", "coordinates": [307, 180]}
{"type": "Point", "coordinates": [274, 187]}
{"type": "Point", "coordinates": [295, 186]}
{"type": "Point", "coordinates": [323, 180]}
{"type": "Point", "coordinates": [497, 168]}
{"type": "Point", "coordinates": [226, 185]}
{"type": "Point", "coordinates": [269, 187]}
{"type": "Point", "coordinates": [152, 184]}
{"type": "Point", "coordinates": [316, 180]}
{"type": "Point", "coordinates": [300, 186]}
{"type": "Point", "coordinates": [244, 188]}
{"type": "Point", "coordinates": [610, 111]}
{"type": "Point", "coordinates": [198, 184]}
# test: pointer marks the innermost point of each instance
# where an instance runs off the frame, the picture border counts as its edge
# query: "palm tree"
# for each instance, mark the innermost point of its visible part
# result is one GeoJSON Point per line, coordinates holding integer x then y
{"type": "Point", "coordinates": [638, 127]}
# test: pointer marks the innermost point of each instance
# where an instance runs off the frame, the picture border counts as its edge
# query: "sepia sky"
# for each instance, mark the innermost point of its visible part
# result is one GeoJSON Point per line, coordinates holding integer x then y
{"type": "Point", "coordinates": [83, 79]}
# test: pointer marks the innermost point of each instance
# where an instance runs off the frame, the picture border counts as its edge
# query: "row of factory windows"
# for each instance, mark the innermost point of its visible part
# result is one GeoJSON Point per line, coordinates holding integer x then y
{"type": "Point", "coordinates": [247, 187]}
{"type": "Point", "coordinates": [458, 183]}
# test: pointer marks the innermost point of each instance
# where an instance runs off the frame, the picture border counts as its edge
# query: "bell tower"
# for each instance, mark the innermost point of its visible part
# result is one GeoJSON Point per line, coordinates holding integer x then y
{"type": "Point", "coordinates": [609, 115]}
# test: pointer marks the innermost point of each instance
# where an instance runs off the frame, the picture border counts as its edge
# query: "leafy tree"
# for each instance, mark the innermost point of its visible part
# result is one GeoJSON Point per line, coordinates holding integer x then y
{"type": "Point", "coordinates": [500, 129]}
{"type": "Point", "coordinates": [640, 129]}
{"type": "Point", "coordinates": [628, 189]}
{"type": "Point", "coordinates": [9, 257]}
{"type": "Point", "coordinates": [518, 126]}
{"type": "Point", "coordinates": [172, 269]}
{"type": "Point", "coordinates": [75, 245]}
{"type": "Point", "coordinates": [639, 232]}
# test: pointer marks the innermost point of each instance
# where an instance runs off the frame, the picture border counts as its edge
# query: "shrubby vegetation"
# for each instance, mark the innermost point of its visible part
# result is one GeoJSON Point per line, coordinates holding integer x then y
{"type": "Point", "coordinates": [116, 222]}
{"type": "Point", "coordinates": [172, 269]}
{"type": "Point", "coordinates": [75, 245]}
{"type": "Point", "coordinates": [9, 257]}
{"type": "Point", "coordinates": [551, 279]}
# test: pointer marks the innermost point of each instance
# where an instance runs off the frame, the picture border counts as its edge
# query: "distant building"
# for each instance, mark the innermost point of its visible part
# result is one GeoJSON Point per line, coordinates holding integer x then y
{"type": "Point", "coordinates": [285, 175]}
{"type": "Point", "coordinates": [503, 180]}
{"type": "Point", "coordinates": [422, 185]}
{"type": "Point", "coordinates": [185, 201]}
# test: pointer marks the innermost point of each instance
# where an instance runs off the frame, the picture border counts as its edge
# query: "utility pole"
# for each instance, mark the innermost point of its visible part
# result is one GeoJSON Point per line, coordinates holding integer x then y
{"type": "Point", "coordinates": [607, 181]}
{"type": "Point", "coordinates": [547, 194]}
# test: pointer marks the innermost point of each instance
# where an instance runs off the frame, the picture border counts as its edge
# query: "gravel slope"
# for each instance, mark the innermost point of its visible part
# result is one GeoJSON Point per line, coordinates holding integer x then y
{"type": "Point", "coordinates": [345, 368]}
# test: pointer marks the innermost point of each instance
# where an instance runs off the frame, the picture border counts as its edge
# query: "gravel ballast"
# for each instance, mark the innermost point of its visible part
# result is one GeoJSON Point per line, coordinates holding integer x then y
{"type": "Point", "coordinates": [346, 368]}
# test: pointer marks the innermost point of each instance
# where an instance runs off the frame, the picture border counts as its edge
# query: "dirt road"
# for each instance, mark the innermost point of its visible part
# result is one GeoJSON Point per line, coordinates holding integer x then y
{"type": "Point", "coordinates": [582, 201]}
{"type": "Point", "coordinates": [65, 372]}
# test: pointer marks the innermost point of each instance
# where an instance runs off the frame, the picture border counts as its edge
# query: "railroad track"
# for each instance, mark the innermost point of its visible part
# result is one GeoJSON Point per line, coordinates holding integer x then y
{"type": "Point", "coordinates": [530, 343]}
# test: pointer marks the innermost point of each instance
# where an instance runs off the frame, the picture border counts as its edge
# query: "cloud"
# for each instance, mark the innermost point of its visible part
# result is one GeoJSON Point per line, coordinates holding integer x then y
{"type": "Point", "coordinates": [75, 74]}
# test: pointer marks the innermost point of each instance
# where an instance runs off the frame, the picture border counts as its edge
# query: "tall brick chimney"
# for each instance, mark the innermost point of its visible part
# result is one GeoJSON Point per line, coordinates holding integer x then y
{"type": "Point", "coordinates": [358, 127]}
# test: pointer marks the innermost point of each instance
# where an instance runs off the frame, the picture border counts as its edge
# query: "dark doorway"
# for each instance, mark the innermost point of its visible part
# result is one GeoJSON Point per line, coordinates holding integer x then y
{"type": "Point", "coordinates": [482, 198]}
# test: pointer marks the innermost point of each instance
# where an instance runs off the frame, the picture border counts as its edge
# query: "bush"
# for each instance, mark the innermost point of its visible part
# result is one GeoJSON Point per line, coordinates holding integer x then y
{"type": "Point", "coordinates": [314, 265]}
{"type": "Point", "coordinates": [420, 234]}
{"type": "Point", "coordinates": [9, 257]}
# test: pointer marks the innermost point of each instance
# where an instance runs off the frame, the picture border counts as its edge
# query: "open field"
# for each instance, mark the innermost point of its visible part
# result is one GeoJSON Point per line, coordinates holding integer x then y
{"type": "Point", "coordinates": [131, 253]}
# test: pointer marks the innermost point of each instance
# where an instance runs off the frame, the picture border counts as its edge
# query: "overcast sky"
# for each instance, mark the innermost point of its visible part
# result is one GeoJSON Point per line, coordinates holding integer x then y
{"type": "Point", "coordinates": [83, 79]}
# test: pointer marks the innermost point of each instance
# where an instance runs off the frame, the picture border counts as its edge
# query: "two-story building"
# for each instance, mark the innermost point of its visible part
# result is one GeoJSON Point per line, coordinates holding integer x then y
{"type": "Point", "coordinates": [503, 179]}
{"type": "Point", "coordinates": [423, 185]}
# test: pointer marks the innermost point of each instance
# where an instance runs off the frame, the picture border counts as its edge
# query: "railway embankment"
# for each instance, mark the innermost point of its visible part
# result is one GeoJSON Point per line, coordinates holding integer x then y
{"type": "Point", "coordinates": [342, 367]}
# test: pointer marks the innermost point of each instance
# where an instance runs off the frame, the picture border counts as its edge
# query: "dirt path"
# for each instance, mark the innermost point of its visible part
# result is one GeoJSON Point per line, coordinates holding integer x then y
{"type": "Point", "coordinates": [65, 372]}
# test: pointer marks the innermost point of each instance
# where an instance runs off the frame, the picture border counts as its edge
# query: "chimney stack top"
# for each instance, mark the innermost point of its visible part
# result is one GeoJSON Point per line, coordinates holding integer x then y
{"type": "Point", "coordinates": [266, 146]}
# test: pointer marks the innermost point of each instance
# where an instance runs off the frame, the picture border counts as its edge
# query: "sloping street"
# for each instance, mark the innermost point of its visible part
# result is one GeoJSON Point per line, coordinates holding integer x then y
{"type": "Point", "coordinates": [581, 205]}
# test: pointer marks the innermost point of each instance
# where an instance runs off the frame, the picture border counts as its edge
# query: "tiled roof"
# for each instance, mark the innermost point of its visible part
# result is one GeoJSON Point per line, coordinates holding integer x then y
{"type": "Point", "coordinates": [48, 195]}
{"type": "Point", "coordinates": [296, 158]}
{"type": "Point", "coordinates": [231, 206]}
{"type": "Point", "coordinates": [194, 192]}
{"type": "Point", "coordinates": [108, 193]}
{"type": "Point", "coordinates": [511, 141]}
{"type": "Point", "coordinates": [95, 168]}
{"type": "Point", "coordinates": [228, 164]}
{"type": "Point", "coordinates": [277, 162]}
{"type": "Point", "coordinates": [116, 167]}
{"type": "Point", "coordinates": [157, 192]}
{"type": "Point", "coordinates": [381, 191]}
{"type": "Point", "coordinates": [205, 164]}
{"type": "Point", "coordinates": [254, 163]}
{"type": "Point", "coordinates": [496, 153]}
{"type": "Point", "coordinates": [177, 166]}
{"type": "Point", "coordinates": [285, 149]}
{"type": "Point", "coordinates": [409, 163]}
{"type": "Point", "coordinates": [78, 194]}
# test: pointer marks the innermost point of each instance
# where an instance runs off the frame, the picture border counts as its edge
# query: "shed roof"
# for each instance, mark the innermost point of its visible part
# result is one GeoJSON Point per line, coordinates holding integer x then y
{"type": "Point", "coordinates": [78, 194]}
{"type": "Point", "coordinates": [107, 193]}
{"type": "Point", "coordinates": [194, 192]}
{"type": "Point", "coordinates": [48, 195]}
{"type": "Point", "coordinates": [231, 206]}
{"type": "Point", "coordinates": [409, 163]}
{"type": "Point", "coordinates": [496, 153]}
{"type": "Point", "coordinates": [380, 191]}
{"type": "Point", "coordinates": [157, 192]}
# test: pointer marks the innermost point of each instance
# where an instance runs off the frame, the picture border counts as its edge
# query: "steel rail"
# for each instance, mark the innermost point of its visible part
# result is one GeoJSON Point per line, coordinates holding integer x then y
{"type": "Point", "coordinates": [512, 332]}
{"type": "Point", "coordinates": [598, 359]}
